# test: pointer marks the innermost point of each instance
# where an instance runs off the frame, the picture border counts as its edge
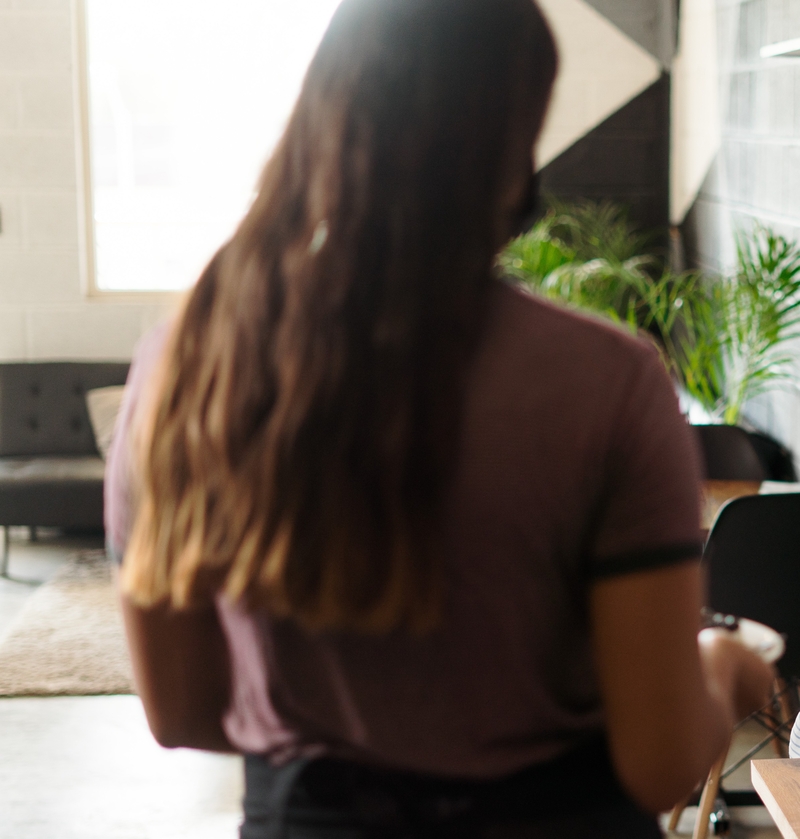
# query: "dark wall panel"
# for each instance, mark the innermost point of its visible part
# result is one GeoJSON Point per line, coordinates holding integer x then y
{"type": "Point", "coordinates": [625, 159]}
{"type": "Point", "coordinates": [651, 23]}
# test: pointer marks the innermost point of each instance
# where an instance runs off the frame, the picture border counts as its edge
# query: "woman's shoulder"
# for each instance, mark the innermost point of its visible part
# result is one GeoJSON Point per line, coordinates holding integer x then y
{"type": "Point", "coordinates": [538, 328]}
{"type": "Point", "coordinates": [151, 346]}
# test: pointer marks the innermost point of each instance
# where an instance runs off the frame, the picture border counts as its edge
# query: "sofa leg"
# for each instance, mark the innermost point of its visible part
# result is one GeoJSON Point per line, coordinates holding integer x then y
{"type": "Point", "coordinates": [6, 551]}
{"type": "Point", "coordinates": [4, 560]}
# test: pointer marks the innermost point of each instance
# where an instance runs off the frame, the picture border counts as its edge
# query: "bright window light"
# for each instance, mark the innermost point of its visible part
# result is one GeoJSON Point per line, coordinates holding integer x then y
{"type": "Point", "coordinates": [785, 49]}
{"type": "Point", "coordinates": [187, 98]}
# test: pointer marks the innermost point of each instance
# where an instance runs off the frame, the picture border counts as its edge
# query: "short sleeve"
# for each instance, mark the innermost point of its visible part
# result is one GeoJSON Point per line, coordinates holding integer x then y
{"type": "Point", "coordinates": [120, 481]}
{"type": "Point", "coordinates": [649, 512]}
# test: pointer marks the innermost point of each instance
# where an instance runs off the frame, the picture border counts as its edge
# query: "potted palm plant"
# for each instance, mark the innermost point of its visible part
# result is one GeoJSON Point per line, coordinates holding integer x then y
{"type": "Point", "coordinates": [724, 339]}
{"type": "Point", "coordinates": [737, 347]}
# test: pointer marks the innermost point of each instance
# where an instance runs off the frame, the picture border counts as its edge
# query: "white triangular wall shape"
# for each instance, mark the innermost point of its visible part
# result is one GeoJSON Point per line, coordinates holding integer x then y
{"type": "Point", "coordinates": [696, 125]}
{"type": "Point", "coordinates": [601, 70]}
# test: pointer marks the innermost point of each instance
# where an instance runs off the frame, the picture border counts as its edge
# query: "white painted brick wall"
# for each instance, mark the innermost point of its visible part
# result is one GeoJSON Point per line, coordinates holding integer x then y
{"type": "Point", "coordinates": [44, 312]}
{"type": "Point", "coordinates": [756, 175]}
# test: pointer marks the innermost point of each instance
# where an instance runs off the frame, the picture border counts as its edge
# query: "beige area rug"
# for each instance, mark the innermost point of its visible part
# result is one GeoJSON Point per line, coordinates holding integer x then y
{"type": "Point", "coordinates": [68, 637]}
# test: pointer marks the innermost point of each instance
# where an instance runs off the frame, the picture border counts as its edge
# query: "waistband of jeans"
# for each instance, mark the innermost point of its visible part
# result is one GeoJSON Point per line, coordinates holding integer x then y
{"type": "Point", "coordinates": [581, 780]}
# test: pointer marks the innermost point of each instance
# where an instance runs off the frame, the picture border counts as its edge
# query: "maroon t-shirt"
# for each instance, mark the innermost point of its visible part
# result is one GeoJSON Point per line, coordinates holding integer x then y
{"type": "Point", "coordinates": [575, 464]}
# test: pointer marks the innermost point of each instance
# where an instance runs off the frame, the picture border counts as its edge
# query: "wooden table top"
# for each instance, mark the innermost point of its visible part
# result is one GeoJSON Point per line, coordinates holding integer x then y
{"type": "Point", "coordinates": [778, 784]}
{"type": "Point", "coordinates": [716, 493]}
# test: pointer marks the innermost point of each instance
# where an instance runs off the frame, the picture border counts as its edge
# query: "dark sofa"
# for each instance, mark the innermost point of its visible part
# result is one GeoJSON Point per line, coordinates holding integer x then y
{"type": "Point", "coordinates": [51, 474]}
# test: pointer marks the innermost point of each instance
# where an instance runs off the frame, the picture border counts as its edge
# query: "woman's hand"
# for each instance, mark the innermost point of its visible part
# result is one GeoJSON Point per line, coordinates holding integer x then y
{"type": "Point", "coordinates": [736, 675]}
{"type": "Point", "coordinates": [669, 714]}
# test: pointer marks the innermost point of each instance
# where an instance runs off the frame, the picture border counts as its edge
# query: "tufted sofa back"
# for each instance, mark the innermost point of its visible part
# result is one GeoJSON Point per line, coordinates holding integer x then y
{"type": "Point", "coordinates": [43, 405]}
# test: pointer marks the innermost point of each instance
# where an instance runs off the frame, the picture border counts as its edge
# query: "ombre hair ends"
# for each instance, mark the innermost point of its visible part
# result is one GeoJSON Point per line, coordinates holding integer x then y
{"type": "Point", "coordinates": [306, 423]}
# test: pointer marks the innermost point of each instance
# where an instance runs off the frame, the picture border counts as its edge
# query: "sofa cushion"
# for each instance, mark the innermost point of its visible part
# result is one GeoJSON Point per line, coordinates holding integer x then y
{"type": "Point", "coordinates": [43, 406]}
{"type": "Point", "coordinates": [52, 492]}
{"type": "Point", "coordinates": [29, 470]}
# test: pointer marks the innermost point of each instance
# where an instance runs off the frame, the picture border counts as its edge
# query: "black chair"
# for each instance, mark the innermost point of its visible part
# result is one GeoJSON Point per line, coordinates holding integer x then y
{"type": "Point", "coordinates": [752, 559]}
{"type": "Point", "coordinates": [776, 459]}
{"type": "Point", "coordinates": [753, 563]}
{"type": "Point", "coordinates": [729, 454]}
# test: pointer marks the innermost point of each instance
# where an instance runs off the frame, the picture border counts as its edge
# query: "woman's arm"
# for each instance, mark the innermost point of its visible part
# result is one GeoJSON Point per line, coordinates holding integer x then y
{"type": "Point", "coordinates": [180, 659]}
{"type": "Point", "coordinates": [182, 673]}
{"type": "Point", "coordinates": [670, 701]}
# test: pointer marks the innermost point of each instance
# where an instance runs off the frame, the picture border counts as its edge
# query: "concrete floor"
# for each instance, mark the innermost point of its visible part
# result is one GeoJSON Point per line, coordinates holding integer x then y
{"type": "Point", "coordinates": [88, 768]}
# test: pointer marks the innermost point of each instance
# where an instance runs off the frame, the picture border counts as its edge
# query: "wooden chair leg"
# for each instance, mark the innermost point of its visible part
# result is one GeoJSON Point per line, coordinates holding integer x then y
{"type": "Point", "coordinates": [677, 812]}
{"type": "Point", "coordinates": [708, 797]}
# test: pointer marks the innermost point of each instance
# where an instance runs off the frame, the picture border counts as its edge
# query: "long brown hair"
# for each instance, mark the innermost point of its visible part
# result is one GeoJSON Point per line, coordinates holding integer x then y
{"type": "Point", "coordinates": [307, 419]}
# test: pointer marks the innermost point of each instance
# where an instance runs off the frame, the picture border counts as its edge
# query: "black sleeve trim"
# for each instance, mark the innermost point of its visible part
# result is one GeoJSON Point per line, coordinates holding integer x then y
{"type": "Point", "coordinates": [645, 560]}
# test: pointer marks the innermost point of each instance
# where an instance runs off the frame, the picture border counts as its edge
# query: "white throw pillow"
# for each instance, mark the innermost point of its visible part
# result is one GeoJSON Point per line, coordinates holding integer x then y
{"type": "Point", "coordinates": [104, 404]}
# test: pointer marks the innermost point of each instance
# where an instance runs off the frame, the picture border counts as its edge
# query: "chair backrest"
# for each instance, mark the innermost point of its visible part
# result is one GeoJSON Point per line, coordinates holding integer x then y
{"type": "Point", "coordinates": [752, 559]}
{"type": "Point", "coordinates": [729, 454]}
{"type": "Point", "coordinates": [43, 405]}
{"type": "Point", "coordinates": [776, 459]}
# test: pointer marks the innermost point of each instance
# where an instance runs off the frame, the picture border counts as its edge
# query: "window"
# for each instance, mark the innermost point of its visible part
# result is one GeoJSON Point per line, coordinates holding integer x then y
{"type": "Point", "coordinates": [186, 98]}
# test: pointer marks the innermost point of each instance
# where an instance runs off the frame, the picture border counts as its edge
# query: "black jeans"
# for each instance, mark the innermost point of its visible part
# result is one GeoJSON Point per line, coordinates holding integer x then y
{"type": "Point", "coordinates": [575, 796]}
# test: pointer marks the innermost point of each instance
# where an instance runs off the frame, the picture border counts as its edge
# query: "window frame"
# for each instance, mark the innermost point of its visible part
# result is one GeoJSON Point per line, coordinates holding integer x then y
{"type": "Point", "coordinates": [86, 229]}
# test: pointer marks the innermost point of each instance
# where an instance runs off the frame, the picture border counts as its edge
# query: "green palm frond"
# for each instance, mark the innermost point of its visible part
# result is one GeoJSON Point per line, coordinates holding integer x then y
{"type": "Point", "coordinates": [722, 338]}
{"type": "Point", "coordinates": [598, 231]}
